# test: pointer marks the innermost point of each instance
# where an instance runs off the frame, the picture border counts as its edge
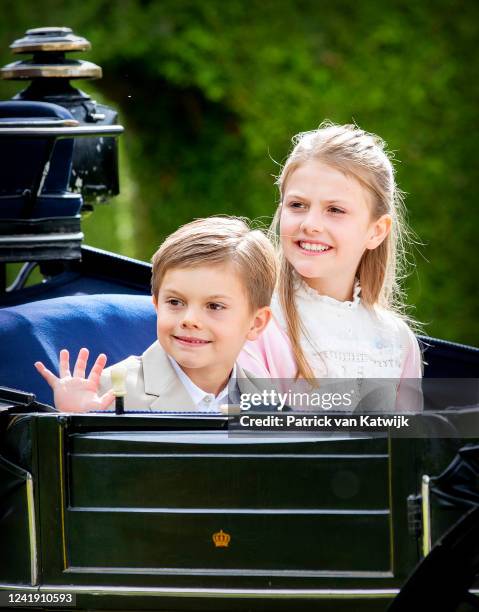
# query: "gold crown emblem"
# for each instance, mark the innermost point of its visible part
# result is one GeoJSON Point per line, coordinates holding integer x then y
{"type": "Point", "coordinates": [221, 539]}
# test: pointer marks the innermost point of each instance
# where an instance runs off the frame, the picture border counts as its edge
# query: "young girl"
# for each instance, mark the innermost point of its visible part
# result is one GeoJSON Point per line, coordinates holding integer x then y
{"type": "Point", "coordinates": [338, 310]}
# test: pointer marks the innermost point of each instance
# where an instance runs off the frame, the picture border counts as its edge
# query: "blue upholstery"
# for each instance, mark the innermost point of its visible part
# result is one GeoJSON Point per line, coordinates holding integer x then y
{"type": "Point", "coordinates": [117, 325]}
{"type": "Point", "coordinates": [121, 325]}
{"type": "Point", "coordinates": [66, 284]}
{"type": "Point", "coordinates": [23, 164]}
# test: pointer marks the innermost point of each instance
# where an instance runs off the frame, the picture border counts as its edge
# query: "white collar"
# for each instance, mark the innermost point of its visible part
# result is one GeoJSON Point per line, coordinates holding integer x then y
{"type": "Point", "coordinates": [200, 398]}
{"type": "Point", "coordinates": [305, 291]}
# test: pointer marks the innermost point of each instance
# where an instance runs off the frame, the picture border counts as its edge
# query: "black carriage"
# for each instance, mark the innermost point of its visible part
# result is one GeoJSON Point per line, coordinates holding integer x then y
{"type": "Point", "coordinates": [169, 512]}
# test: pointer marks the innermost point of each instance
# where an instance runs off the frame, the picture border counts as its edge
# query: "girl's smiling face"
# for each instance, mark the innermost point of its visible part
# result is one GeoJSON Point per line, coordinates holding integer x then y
{"type": "Point", "coordinates": [326, 225]}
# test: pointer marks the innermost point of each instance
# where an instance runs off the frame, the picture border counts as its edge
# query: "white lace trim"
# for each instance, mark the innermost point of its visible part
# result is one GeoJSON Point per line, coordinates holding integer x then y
{"type": "Point", "coordinates": [346, 339]}
{"type": "Point", "coordinates": [304, 290]}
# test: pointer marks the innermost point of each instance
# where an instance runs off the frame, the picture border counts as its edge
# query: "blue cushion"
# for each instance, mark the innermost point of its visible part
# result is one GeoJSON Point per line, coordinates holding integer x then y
{"type": "Point", "coordinates": [77, 283]}
{"type": "Point", "coordinates": [117, 325]}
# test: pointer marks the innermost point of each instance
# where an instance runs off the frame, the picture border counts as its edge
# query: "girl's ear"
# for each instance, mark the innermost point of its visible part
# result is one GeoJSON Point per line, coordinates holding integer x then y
{"type": "Point", "coordinates": [378, 231]}
{"type": "Point", "coordinates": [259, 322]}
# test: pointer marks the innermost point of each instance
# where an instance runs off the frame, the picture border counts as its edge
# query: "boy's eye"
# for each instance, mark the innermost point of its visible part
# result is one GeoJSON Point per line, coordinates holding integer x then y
{"type": "Point", "coordinates": [215, 306]}
{"type": "Point", "coordinates": [297, 205]}
{"type": "Point", "coordinates": [335, 210]}
{"type": "Point", "coordinates": [174, 302]}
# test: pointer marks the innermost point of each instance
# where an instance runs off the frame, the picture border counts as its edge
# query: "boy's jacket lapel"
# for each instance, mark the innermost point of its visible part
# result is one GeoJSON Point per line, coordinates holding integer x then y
{"type": "Point", "coordinates": [160, 380]}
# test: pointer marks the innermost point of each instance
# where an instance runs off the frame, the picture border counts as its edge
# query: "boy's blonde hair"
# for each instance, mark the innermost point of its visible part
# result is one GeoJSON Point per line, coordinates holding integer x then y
{"type": "Point", "coordinates": [221, 240]}
{"type": "Point", "coordinates": [361, 155]}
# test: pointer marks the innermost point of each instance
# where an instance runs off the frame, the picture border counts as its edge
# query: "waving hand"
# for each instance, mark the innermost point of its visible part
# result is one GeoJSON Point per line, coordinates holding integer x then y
{"type": "Point", "coordinates": [77, 393]}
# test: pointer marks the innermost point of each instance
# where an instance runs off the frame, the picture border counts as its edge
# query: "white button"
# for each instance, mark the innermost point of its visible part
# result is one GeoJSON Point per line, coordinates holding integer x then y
{"type": "Point", "coordinates": [208, 399]}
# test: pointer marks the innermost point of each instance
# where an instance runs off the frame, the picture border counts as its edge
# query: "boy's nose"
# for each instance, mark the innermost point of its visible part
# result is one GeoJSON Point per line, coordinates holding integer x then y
{"type": "Point", "coordinates": [190, 321]}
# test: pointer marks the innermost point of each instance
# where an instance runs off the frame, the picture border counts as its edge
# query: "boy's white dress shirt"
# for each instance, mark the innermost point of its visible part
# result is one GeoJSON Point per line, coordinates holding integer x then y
{"type": "Point", "coordinates": [203, 401]}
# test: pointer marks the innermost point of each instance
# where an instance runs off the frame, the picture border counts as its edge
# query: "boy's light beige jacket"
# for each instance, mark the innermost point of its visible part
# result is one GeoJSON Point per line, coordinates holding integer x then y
{"type": "Point", "coordinates": [153, 385]}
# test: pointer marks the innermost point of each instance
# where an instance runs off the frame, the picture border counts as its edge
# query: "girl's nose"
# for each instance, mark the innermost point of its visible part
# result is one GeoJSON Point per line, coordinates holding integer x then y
{"type": "Point", "coordinates": [313, 223]}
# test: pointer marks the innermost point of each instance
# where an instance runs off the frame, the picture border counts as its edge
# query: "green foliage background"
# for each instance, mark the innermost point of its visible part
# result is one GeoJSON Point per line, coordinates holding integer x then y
{"type": "Point", "coordinates": [211, 92]}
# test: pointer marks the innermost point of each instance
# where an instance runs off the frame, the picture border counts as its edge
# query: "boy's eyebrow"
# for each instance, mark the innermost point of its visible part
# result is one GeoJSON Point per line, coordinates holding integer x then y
{"type": "Point", "coordinates": [208, 297]}
{"type": "Point", "coordinates": [170, 290]}
{"type": "Point", "coordinates": [219, 297]}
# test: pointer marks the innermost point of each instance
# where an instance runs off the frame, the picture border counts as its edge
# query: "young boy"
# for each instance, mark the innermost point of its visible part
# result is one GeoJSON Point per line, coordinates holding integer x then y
{"type": "Point", "coordinates": [212, 282]}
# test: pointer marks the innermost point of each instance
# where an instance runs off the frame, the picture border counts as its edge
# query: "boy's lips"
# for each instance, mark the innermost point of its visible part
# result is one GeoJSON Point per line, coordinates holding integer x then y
{"type": "Point", "coordinates": [313, 247]}
{"type": "Point", "coordinates": [191, 340]}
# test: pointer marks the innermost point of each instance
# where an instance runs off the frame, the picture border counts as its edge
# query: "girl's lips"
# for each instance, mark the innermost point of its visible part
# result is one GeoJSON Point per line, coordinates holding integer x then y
{"type": "Point", "coordinates": [191, 341]}
{"type": "Point", "coordinates": [314, 248]}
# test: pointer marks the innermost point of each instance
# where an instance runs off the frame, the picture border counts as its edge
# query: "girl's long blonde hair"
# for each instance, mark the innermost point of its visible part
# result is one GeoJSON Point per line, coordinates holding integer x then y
{"type": "Point", "coordinates": [363, 156]}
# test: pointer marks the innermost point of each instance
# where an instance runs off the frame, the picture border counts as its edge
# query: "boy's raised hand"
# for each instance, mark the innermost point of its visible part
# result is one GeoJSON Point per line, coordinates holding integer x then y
{"type": "Point", "coordinates": [77, 393]}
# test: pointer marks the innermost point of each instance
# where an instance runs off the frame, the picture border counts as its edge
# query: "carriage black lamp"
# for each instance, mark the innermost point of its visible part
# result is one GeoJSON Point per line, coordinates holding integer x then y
{"type": "Point", "coordinates": [58, 150]}
{"type": "Point", "coordinates": [95, 160]}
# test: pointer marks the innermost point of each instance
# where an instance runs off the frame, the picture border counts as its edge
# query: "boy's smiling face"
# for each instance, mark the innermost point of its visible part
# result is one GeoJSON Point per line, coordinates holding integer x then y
{"type": "Point", "coordinates": [203, 319]}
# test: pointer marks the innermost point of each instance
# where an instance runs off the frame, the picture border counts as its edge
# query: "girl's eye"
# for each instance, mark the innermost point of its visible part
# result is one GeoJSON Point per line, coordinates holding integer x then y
{"type": "Point", "coordinates": [215, 306]}
{"type": "Point", "coordinates": [335, 210]}
{"type": "Point", "coordinates": [297, 205]}
{"type": "Point", "coordinates": [175, 302]}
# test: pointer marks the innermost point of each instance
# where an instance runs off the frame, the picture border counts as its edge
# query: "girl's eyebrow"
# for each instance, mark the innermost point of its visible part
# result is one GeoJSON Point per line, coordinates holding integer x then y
{"type": "Point", "coordinates": [293, 194]}
{"type": "Point", "coordinates": [304, 197]}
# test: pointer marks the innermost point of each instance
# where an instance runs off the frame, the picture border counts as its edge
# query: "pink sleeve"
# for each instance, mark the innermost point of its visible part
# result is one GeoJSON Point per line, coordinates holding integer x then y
{"type": "Point", "coordinates": [413, 361]}
{"type": "Point", "coordinates": [409, 395]}
{"type": "Point", "coordinates": [270, 356]}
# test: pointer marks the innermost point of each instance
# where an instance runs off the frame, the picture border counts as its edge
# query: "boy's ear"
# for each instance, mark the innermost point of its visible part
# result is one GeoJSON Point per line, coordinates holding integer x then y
{"type": "Point", "coordinates": [261, 319]}
{"type": "Point", "coordinates": [379, 231]}
{"type": "Point", "coordinates": [155, 302]}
